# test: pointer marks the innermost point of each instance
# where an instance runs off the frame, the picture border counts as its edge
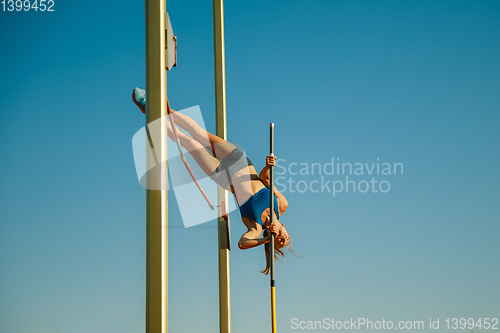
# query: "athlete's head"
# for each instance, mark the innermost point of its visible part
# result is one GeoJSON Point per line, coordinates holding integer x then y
{"type": "Point", "coordinates": [282, 239]}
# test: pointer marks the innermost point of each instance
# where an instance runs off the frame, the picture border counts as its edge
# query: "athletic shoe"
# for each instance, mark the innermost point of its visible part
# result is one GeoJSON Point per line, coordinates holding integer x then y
{"type": "Point", "coordinates": [139, 98]}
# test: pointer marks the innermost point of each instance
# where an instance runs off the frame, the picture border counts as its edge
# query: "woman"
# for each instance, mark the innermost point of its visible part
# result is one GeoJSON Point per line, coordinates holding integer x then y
{"type": "Point", "coordinates": [226, 164]}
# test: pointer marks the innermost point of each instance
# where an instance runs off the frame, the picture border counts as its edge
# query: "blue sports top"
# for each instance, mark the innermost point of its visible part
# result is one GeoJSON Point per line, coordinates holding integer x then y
{"type": "Point", "coordinates": [256, 204]}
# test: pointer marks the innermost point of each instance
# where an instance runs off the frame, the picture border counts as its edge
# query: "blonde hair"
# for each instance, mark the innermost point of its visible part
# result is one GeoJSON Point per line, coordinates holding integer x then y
{"type": "Point", "coordinates": [278, 252]}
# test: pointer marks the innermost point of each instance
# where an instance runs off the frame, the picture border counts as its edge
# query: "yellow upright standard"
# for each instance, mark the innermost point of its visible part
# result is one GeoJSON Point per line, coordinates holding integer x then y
{"type": "Point", "coordinates": [222, 195]}
{"type": "Point", "coordinates": [156, 200]}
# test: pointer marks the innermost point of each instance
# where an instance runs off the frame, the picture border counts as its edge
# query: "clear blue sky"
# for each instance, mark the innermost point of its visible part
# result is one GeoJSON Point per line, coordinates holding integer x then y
{"type": "Point", "coordinates": [411, 82]}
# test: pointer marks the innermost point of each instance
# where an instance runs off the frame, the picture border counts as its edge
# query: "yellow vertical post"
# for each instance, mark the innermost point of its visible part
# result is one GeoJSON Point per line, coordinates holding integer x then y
{"type": "Point", "coordinates": [156, 200]}
{"type": "Point", "coordinates": [222, 196]}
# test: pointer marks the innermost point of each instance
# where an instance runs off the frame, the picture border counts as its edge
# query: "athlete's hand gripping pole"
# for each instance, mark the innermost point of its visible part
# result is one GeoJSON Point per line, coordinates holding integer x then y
{"type": "Point", "coordinates": [271, 247]}
{"type": "Point", "coordinates": [183, 158]}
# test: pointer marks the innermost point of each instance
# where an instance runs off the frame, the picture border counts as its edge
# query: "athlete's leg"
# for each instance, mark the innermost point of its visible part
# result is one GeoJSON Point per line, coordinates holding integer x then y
{"type": "Point", "coordinates": [203, 158]}
{"type": "Point", "coordinates": [218, 146]}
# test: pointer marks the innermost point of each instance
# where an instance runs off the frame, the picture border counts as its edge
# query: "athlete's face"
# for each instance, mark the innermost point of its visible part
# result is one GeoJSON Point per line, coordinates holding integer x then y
{"type": "Point", "coordinates": [283, 238]}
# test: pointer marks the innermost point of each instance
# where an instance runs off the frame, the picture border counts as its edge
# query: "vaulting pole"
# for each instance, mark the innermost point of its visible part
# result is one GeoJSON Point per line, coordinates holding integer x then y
{"type": "Point", "coordinates": [156, 200]}
{"type": "Point", "coordinates": [222, 196]}
{"type": "Point", "coordinates": [271, 247]}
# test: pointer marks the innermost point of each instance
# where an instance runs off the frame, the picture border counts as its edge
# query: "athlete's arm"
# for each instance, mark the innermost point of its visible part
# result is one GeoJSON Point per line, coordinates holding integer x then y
{"type": "Point", "coordinates": [264, 177]}
{"type": "Point", "coordinates": [282, 202]}
{"type": "Point", "coordinates": [250, 239]}
{"type": "Point", "coordinates": [264, 173]}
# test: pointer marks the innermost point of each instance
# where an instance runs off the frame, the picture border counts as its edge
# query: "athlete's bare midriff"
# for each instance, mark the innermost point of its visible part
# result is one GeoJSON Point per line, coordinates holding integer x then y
{"type": "Point", "coordinates": [245, 183]}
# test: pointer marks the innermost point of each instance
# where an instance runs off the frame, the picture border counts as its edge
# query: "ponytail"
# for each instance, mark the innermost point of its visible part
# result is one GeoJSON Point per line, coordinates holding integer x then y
{"type": "Point", "coordinates": [278, 252]}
